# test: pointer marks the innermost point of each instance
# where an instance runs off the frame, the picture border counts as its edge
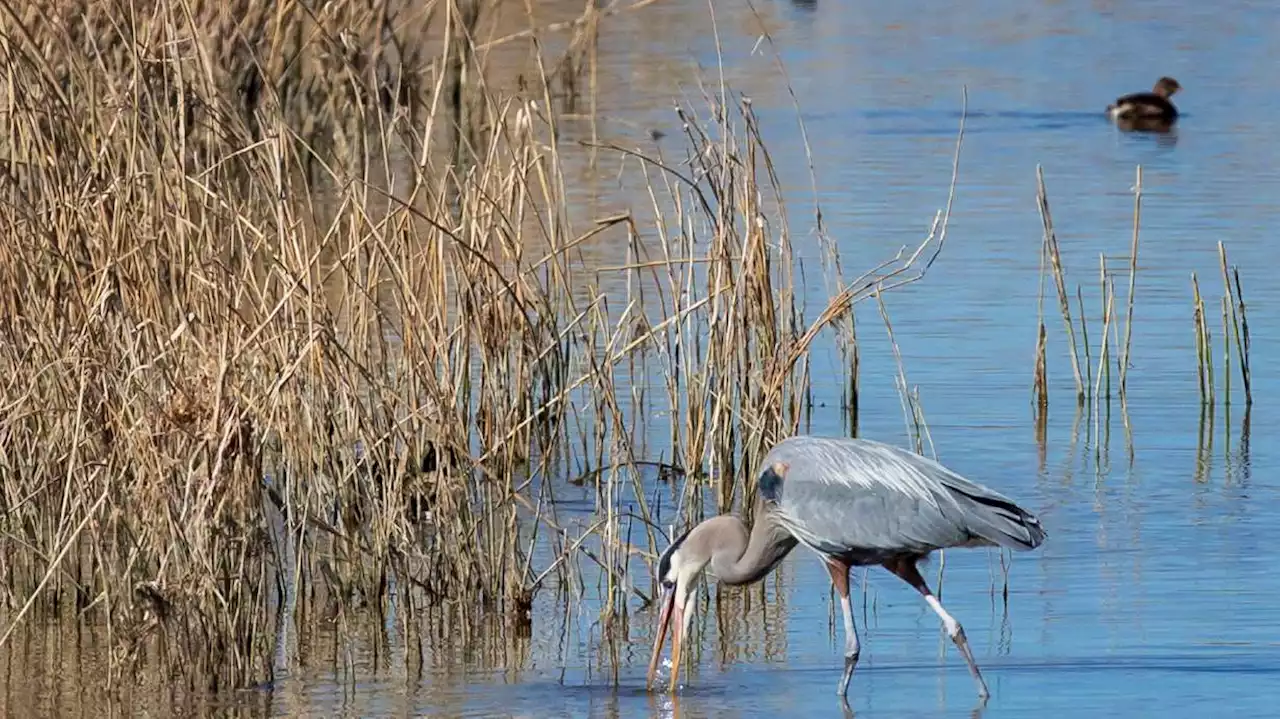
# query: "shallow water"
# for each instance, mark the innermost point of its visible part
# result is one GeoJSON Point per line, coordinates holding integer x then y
{"type": "Point", "coordinates": [1154, 594]}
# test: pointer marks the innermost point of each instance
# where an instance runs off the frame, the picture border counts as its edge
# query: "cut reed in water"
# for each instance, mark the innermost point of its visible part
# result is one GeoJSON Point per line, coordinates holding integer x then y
{"type": "Point", "coordinates": [1115, 344]}
{"type": "Point", "coordinates": [1204, 351]}
{"type": "Point", "coordinates": [1235, 334]}
{"type": "Point", "coordinates": [1052, 252]}
{"type": "Point", "coordinates": [1234, 307]}
{"type": "Point", "coordinates": [1133, 285]}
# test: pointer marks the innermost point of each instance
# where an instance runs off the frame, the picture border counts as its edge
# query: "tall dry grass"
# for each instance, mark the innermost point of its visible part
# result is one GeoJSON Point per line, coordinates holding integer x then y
{"type": "Point", "coordinates": [296, 324]}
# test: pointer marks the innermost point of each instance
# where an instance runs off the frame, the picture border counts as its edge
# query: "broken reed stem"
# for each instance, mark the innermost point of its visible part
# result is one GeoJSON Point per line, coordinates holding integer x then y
{"type": "Point", "coordinates": [921, 422]}
{"type": "Point", "coordinates": [1040, 378]}
{"type": "Point", "coordinates": [1239, 324]}
{"type": "Point", "coordinates": [1084, 335]}
{"type": "Point", "coordinates": [912, 413]}
{"type": "Point", "coordinates": [1116, 342]}
{"type": "Point", "coordinates": [1204, 357]}
{"type": "Point", "coordinates": [1133, 277]}
{"type": "Point", "coordinates": [1115, 330]}
{"type": "Point", "coordinates": [1103, 388]}
{"type": "Point", "coordinates": [1051, 243]}
{"type": "Point", "coordinates": [1105, 358]}
{"type": "Point", "coordinates": [1204, 445]}
{"type": "Point", "coordinates": [1228, 304]}
{"type": "Point", "coordinates": [852, 389]}
{"type": "Point", "coordinates": [1242, 340]}
{"type": "Point", "coordinates": [1226, 354]}
{"type": "Point", "coordinates": [593, 63]}
{"type": "Point", "coordinates": [466, 86]}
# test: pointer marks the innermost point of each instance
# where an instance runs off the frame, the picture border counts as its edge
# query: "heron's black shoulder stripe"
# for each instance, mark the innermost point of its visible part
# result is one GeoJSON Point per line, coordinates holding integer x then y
{"type": "Point", "coordinates": [664, 561]}
{"type": "Point", "coordinates": [770, 484]}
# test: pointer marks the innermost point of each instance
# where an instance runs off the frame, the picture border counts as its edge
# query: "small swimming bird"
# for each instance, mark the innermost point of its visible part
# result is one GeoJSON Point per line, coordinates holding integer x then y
{"type": "Point", "coordinates": [1147, 110]}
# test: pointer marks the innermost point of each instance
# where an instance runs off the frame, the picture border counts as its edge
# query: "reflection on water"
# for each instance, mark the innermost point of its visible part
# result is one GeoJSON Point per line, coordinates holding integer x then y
{"type": "Point", "coordinates": [1154, 593]}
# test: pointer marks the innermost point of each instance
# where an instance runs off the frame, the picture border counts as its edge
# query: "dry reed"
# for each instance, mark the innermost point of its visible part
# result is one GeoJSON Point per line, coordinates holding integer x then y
{"type": "Point", "coordinates": [1051, 251]}
{"type": "Point", "coordinates": [1234, 309]}
{"type": "Point", "coordinates": [1235, 334]}
{"type": "Point", "coordinates": [1203, 346]}
{"type": "Point", "coordinates": [263, 373]}
{"type": "Point", "coordinates": [1133, 282]}
{"type": "Point", "coordinates": [1115, 344]}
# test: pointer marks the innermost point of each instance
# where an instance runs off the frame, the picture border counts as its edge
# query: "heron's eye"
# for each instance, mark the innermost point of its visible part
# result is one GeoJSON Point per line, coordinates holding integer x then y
{"type": "Point", "coordinates": [668, 584]}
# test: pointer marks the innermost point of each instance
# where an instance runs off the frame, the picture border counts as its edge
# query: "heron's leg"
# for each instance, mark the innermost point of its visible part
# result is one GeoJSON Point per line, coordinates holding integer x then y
{"type": "Point", "coordinates": [906, 570]}
{"type": "Point", "coordinates": [840, 579]}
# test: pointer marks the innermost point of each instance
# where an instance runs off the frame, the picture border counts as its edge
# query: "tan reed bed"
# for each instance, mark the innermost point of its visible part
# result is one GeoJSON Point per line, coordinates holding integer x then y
{"type": "Point", "coordinates": [249, 388]}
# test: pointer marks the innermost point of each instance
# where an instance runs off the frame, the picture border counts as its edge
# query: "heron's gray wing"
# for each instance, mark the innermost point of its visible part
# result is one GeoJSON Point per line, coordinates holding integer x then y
{"type": "Point", "coordinates": [843, 496]}
{"type": "Point", "coordinates": [875, 521]}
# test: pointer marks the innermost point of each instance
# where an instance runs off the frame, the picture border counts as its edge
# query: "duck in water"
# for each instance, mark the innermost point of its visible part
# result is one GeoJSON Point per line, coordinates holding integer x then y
{"type": "Point", "coordinates": [1147, 111]}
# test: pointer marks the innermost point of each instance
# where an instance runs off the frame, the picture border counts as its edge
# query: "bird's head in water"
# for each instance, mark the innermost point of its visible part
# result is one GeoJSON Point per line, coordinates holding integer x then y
{"type": "Point", "coordinates": [678, 570]}
{"type": "Point", "coordinates": [713, 542]}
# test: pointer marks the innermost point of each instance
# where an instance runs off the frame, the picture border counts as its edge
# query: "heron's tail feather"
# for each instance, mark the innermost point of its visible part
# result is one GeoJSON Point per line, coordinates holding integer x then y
{"type": "Point", "coordinates": [1000, 521]}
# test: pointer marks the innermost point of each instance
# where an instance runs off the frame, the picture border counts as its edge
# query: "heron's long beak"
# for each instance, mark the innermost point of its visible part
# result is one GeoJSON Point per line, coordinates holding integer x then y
{"type": "Point", "coordinates": [668, 618]}
{"type": "Point", "coordinates": [677, 627]}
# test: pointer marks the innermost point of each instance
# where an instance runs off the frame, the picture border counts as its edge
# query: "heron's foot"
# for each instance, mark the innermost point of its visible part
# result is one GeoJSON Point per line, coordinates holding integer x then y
{"type": "Point", "coordinates": [850, 661]}
{"type": "Point", "coordinates": [981, 705]}
{"type": "Point", "coordinates": [962, 643]}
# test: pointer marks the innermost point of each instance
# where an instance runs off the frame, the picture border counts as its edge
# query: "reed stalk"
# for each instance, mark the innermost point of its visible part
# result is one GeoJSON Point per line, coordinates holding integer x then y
{"type": "Point", "coordinates": [1226, 354]}
{"type": "Point", "coordinates": [1234, 298]}
{"type": "Point", "coordinates": [1133, 280]}
{"type": "Point", "coordinates": [1064, 304]}
{"type": "Point", "coordinates": [1203, 345]}
{"type": "Point", "coordinates": [1084, 335]}
{"type": "Point", "coordinates": [1040, 377]}
{"type": "Point", "coordinates": [912, 411]}
{"type": "Point", "coordinates": [1103, 388]}
{"type": "Point", "coordinates": [1242, 339]}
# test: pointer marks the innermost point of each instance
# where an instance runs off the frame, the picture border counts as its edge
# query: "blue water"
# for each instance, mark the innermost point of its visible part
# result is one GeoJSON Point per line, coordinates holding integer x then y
{"type": "Point", "coordinates": [1155, 592]}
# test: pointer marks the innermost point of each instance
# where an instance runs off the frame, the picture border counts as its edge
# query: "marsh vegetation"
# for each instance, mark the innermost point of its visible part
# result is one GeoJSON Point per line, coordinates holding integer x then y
{"type": "Point", "coordinates": [298, 324]}
{"type": "Point", "coordinates": [301, 326]}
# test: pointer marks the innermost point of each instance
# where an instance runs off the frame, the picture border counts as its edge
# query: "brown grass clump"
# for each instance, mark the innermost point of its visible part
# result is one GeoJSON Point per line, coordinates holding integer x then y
{"type": "Point", "coordinates": [194, 76]}
{"type": "Point", "coordinates": [271, 352]}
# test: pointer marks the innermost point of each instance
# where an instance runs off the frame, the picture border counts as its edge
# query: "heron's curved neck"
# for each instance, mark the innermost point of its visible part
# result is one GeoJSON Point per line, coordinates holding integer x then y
{"type": "Point", "coordinates": [744, 560]}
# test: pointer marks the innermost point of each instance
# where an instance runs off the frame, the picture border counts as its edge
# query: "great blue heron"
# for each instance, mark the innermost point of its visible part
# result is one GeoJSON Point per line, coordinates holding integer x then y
{"type": "Point", "coordinates": [856, 503]}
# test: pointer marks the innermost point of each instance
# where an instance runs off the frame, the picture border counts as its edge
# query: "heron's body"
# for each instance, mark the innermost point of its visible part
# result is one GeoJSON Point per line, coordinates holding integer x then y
{"type": "Point", "coordinates": [856, 503]}
{"type": "Point", "coordinates": [1150, 111]}
{"type": "Point", "coordinates": [865, 502]}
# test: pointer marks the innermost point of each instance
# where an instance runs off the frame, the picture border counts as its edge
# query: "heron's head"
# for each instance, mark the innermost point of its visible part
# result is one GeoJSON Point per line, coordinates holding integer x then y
{"type": "Point", "coordinates": [679, 568]}
{"type": "Point", "coordinates": [1167, 86]}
